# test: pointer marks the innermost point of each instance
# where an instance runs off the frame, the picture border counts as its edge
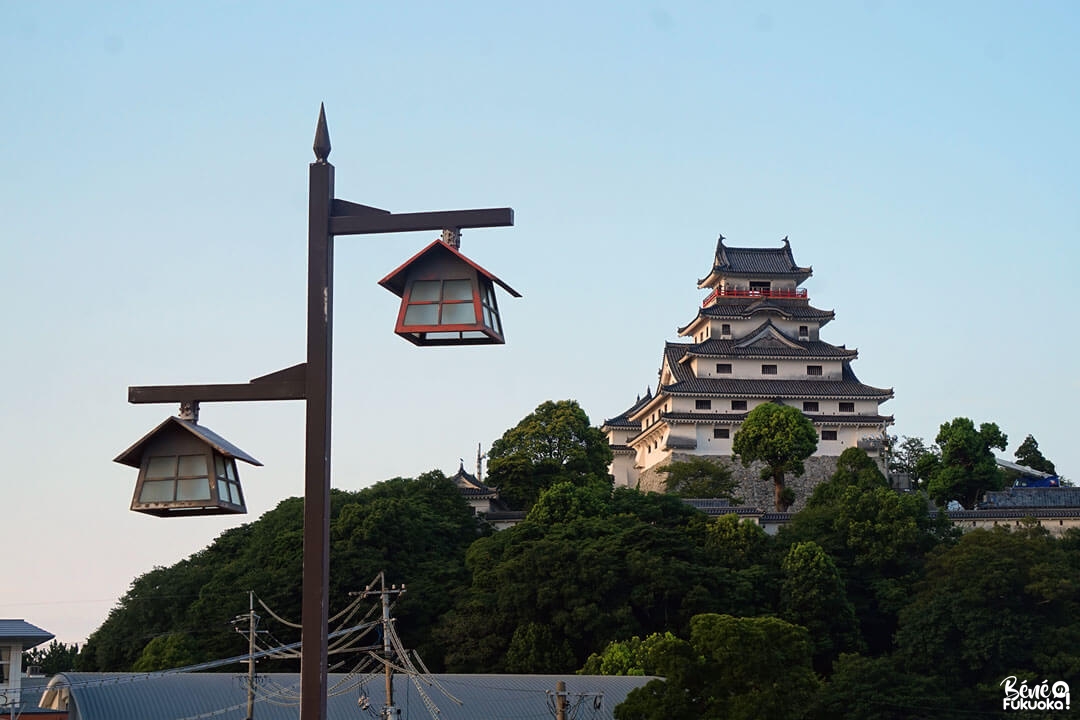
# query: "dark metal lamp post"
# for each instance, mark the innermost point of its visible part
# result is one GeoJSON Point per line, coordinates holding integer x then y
{"type": "Point", "coordinates": [446, 300]}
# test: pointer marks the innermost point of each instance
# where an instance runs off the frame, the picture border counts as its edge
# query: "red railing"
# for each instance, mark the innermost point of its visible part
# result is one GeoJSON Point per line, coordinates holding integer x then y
{"type": "Point", "coordinates": [799, 293]}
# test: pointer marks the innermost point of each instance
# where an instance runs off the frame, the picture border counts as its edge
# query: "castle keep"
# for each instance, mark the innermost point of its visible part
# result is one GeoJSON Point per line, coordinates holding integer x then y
{"type": "Point", "coordinates": [755, 339]}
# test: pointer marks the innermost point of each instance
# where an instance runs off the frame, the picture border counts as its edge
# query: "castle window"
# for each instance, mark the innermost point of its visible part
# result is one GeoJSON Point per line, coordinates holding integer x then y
{"type": "Point", "coordinates": [847, 407]}
{"type": "Point", "coordinates": [809, 406]}
{"type": "Point", "coordinates": [828, 434]}
{"type": "Point", "coordinates": [703, 404]}
{"type": "Point", "coordinates": [725, 330]}
{"type": "Point", "coordinates": [723, 368]}
{"type": "Point", "coordinates": [813, 369]}
{"type": "Point", "coordinates": [768, 369]}
{"type": "Point", "coordinates": [738, 404]}
{"type": "Point", "coordinates": [721, 433]}
{"type": "Point", "coordinates": [760, 285]}
{"type": "Point", "coordinates": [804, 332]}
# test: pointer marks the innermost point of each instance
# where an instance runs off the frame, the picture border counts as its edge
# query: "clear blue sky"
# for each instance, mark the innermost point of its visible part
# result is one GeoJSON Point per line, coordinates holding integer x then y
{"type": "Point", "coordinates": [922, 157]}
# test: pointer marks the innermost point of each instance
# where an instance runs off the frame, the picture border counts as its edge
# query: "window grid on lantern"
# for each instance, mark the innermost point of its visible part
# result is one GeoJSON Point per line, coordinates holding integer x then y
{"type": "Point", "coordinates": [227, 483]}
{"type": "Point", "coordinates": [490, 309]}
{"type": "Point", "coordinates": [176, 478]}
{"type": "Point", "coordinates": [440, 302]}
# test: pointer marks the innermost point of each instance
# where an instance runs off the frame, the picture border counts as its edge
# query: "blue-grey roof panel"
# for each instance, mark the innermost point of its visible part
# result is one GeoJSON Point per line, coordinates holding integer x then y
{"type": "Point", "coordinates": [22, 631]}
{"type": "Point", "coordinates": [113, 696]}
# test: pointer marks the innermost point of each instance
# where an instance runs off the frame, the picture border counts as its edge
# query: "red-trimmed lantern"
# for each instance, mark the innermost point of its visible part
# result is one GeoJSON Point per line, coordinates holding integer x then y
{"type": "Point", "coordinates": [446, 298]}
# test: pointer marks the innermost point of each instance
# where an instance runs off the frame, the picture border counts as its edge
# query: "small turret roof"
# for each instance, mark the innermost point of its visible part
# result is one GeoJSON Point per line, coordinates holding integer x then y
{"type": "Point", "coordinates": [759, 262]}
{"type": "Point", "coordinates": [622, 420]}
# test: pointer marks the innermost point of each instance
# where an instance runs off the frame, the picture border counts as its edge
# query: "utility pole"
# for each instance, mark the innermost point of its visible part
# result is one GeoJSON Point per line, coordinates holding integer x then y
{"type": "Point", "coordinates": [252, 625]}
{"type": "Point", "coordinates": [390, 711]}
{"type": "Point", "coordinates": [560, 700]}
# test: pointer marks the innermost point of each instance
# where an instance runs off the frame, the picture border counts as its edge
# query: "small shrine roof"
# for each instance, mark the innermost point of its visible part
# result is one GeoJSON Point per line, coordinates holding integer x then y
{"type": "Point", "coordinates": [470, 486]}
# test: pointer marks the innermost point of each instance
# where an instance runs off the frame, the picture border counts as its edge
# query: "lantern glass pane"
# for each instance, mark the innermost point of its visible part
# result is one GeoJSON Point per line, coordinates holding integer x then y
{"type": "Point", "coordinates": [487, 316]}
{"type": "Point", "coordinates": [157, 491]}
{"type": "Point", "coordinates": [422, 315]}
{"type": "Point", "coordinates": [161, 467]}
{"type": "Point", "coordinates": [458, 314]}
{"type": "Point", "coordinates": [425, 291]}
{"type": "Point", "coordinates": [193, 489]}
{"type": "Point", "coordinates": [495, 324]}
{"type": "Point", "coordinates": [219, 464]}
{"type": "Point", "coordinates": [230, 469]}
{"type": "Point", "coordinates": [457, 290]}
{"type": "Point", "coordinates": [237, 498]}
{"type": "Point", "coordinates": [223, 491]}
{"type": "Point", "coordinates": [192, 466]}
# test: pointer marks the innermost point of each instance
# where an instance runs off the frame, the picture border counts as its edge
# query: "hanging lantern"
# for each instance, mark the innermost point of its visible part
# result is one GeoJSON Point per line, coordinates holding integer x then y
{"type": "Point", "coordinates": [446, 298]}
{"type": "Point", "coordinates": [186, 469]}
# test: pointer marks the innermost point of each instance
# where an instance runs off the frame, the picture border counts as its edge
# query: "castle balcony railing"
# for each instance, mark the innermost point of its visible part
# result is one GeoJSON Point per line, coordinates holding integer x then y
{"type": "Point", "coordinates": [798, 293]}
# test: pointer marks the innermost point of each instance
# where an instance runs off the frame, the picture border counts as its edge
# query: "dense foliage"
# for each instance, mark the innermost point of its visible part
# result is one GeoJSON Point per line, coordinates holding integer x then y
{"type": "Point", "coordinates": [865, 605]}
{"type": "Point", "coordinates": [555, 443]}
{"type": "Point", "coordinates": [966, 467]}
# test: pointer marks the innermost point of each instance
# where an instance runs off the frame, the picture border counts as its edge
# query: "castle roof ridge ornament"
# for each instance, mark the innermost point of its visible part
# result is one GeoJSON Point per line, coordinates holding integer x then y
{"type": "Point", "coordinates": [321, 145]}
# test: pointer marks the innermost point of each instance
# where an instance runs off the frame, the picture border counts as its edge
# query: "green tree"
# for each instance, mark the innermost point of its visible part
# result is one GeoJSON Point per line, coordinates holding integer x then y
{"type": "Point", "coordinates": [1029, 455]}
{"type": "Point", "coordinates": [54, 658]}
{"type": "Point", "coordinates": [555, 443]}
{"type": "Point", "coordinates": [967, 467]}
{"type": "Point", "coordinates": [565, 501]}
{"type": "Point", "coordinates": [996, 603]}
{"type": "Point", "coordinates": [165, 652]}
{"type": "Point", "coordinates": [636, 656]}
{"type": "Point", "coordinates": [700, 477]}
{"type": "Point", "coordinates": [877, 537]}
{"type": "Point", "coordinates": [906, 456]}
{"type": "Point", "coordinates": [813, 595]}
{"type": "Point", "coordinates": [779, 436]}
{"type": "Point", "coordinates": [589, 579]}
{"type": "Point", "coordinates": [746, 668]}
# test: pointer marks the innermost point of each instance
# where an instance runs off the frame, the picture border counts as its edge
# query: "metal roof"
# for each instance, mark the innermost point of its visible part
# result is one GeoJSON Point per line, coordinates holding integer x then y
{"type": "Point", "coordinates": [19, 631]}
{"type": "Point", "coordinates": [133, 455]}
{"type": "Point", "coordinates": [125, 696]}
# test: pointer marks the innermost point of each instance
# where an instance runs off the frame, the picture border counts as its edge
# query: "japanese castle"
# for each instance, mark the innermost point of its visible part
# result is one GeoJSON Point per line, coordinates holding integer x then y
{"type": "Point", "coordinates": [755, 339]}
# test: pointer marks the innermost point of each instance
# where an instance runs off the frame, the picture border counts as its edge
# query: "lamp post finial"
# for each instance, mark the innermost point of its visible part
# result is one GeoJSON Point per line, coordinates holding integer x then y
{"type": "Point", "coordinates": [322, 137]}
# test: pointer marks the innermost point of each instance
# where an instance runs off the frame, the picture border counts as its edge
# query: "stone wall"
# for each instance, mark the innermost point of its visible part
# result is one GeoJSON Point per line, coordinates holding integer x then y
{"type": "Point", "coordinates": [754, 491]}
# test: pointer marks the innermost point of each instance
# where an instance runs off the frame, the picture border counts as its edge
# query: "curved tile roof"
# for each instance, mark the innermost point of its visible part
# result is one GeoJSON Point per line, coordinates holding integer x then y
{"type": "Point", "coordinates": [809, 349]}
{"type": "Point", "coordinates": [744, 308]}
{"type": "Point", "coordinates": [687, 384]}
{"type": "Point", "coordinates": [622, 420]}
{"type": "Point", "coordinates": [755, 261]}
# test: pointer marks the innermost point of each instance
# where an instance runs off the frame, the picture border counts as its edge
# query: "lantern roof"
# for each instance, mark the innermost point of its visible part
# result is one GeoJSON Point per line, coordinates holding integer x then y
{"type": "Point", "coordinates": [395, 281]}
{"type": "Point", "coordinates": [133, 455]}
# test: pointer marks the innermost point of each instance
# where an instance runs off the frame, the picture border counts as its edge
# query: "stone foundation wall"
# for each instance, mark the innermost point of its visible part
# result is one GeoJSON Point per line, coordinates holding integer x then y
{"type": "Point", "coordinates": [754, 491]}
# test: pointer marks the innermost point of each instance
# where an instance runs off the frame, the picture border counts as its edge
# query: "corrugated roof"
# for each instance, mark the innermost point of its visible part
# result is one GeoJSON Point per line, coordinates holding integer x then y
{"type": "Point", "coordinates": [20, 631]}
{"type": "Point", "coordinates": [122, 696]}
